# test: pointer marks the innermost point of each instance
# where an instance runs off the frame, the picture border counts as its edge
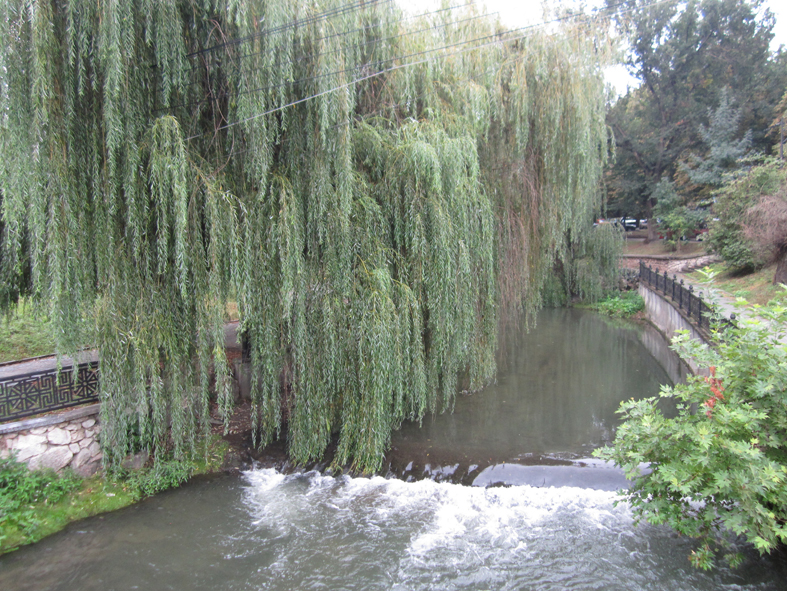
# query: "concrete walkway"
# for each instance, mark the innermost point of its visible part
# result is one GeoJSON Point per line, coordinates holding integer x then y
{"type": "Point", "coordinates": [726, 304]}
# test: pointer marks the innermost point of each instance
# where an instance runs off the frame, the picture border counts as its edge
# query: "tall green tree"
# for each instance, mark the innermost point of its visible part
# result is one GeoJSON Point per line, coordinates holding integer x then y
{"type": "Point", "coordinates": [376, 193]}
{"type": "Point", "coordinates": [684, 53]}
{"type": "Point", "coordinates": [724, 144]}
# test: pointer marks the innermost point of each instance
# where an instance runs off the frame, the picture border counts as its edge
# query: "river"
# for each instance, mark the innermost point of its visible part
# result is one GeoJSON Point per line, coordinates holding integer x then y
{"type": "Point", "coordinates": [442, 522]}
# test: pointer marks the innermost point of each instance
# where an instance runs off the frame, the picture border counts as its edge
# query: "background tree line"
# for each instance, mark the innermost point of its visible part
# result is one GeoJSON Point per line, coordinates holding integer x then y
{"type": "Point", "coordinates": [709, 90]}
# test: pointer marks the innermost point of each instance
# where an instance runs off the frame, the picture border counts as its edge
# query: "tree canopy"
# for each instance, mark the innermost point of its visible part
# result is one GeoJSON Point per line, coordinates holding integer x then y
{"type": "Point", "coordinates": [375, 191]}
{"type": "Point", "coordinates": [686, 55]}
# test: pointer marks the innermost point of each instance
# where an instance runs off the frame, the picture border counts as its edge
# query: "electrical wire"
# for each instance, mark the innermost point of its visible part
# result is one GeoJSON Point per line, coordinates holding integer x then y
{"type": "Point", "coordinates": [527, 29]}
{"type": "Point", "coordinates": [318, 76]}
{"type": "Point", "coordinates": [336, 11]}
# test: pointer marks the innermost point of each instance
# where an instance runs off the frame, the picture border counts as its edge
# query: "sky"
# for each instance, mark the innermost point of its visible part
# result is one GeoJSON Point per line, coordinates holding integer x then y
{"type": "Point", "coordinates": [518, 13]}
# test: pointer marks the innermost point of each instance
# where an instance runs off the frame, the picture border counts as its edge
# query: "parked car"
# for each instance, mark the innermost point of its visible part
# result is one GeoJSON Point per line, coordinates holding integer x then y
{"type": "Point", "coordinates": [629, 224]}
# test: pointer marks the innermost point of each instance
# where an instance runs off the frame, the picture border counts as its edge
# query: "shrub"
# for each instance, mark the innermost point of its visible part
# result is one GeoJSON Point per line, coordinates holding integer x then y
{"type": "Point", "coordinates": [624, 305]}
{"type": "Point", "coordinates": [161, 476]}
{"type": "Point", "coordinates": [726, 236]}
{"type": "Point", "coordinates": [721, 463]}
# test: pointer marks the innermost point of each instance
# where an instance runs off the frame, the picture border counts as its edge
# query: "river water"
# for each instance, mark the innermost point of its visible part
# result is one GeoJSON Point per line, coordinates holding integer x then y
{"type": "Point", "coordinates": [555, 526]}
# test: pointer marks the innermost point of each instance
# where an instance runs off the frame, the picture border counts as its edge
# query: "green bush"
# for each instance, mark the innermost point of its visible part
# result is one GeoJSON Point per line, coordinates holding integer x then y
{"type": "Point", "coordinates": [720, 465]}
{"type": "Point", "coordinates": [624, 305]}
{"type": "Point", "coordinates": [726, 236]}
{"type": "Point", "coordinates": [161, 476]}
{"type": "Point", "coordinates": [21, 489]}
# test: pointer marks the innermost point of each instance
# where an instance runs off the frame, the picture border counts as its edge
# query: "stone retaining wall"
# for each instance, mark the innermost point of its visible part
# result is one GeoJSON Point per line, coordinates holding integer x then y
{"type": "Point", "coordinates": [68, 439]}
{"type": "Point", "coordinates": [668, 263]}
{"type": "Point", "coordinates": [668, 319]}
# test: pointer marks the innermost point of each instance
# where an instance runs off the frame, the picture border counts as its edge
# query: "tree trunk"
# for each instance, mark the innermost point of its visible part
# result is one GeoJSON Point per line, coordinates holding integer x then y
{"type": "Point", "coordinates": [651, 221]}
{"type": "Point", "coordinates": [781, 267]}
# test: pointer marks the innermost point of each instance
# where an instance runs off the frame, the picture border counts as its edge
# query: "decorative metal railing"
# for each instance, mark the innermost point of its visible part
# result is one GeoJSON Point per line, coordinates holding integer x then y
{"type": "Point", "coordinates": [34, 393]}
{"type": "Point", "coordinates": [685, 299]}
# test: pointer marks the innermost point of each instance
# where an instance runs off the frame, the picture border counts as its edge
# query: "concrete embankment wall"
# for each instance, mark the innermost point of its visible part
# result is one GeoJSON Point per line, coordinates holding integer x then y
{"type": "Point", "coordinates": [57, 441]}
{"type": "Point", "coordinates": [668, 319]}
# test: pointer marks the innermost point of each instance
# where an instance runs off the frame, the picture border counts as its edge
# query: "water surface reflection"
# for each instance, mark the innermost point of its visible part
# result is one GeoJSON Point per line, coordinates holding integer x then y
{"type": "Point", "coordinates": [558, 389]}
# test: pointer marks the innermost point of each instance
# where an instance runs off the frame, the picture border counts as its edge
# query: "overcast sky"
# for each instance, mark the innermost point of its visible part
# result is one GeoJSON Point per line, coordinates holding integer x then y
{"type": "Point", "coordinates": [518, 13]}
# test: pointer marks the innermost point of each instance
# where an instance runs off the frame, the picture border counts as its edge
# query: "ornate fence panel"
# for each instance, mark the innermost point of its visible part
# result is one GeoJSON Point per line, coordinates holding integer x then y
{"type": "Point", "coordinates": [684, 298]}
{"type": "Point", "coordinates": [43, 391]}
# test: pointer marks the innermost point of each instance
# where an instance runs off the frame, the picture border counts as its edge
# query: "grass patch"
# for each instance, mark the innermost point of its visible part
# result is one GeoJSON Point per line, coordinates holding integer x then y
{"type": "Point", "coordinates": [756, 288]}
{"type": "Point", "coordinates": [35, 504]}
{"type": "Point", "coordinates": [231, 313]}
{"type": "Point", "coordinates": [25, 333]}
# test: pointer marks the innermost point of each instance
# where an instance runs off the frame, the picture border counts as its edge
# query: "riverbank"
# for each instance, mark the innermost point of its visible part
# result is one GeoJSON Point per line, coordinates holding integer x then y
{"type": "Point", "coordinates": [29, 523]}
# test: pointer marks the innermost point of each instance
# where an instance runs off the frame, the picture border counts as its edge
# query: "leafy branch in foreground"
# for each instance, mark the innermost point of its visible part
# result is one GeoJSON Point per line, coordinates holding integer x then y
{"type": "Point", "coordinates": [720, 465]}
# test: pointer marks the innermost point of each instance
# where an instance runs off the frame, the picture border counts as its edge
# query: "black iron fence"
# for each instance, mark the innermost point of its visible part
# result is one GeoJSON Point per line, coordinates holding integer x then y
{"type": "Point", "coordinates": [29, 394]}
{"type": "Point", "coordinates": [686, 300]}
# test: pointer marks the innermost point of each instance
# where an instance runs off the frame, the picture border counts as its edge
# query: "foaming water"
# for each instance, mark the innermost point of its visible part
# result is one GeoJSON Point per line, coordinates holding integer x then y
{"type": "Point", "coordinates": [271, 531]}
{"type": "Point", "coordinates": [380, 533]}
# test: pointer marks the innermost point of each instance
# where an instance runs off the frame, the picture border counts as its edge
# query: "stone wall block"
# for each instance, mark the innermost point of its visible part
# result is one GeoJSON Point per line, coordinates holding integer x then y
{"type": "Point", "coordinates": [87, 470]}
{"type": "Point", "coordinates": [25, 453]}
{"type": "Point", "coordinates": [94, 448]}
{"type": "Point", "coordinates": [83, 457]}
{"type": "Point", "coordinates": [57, 443]}
{"type": "Point", "coordinates": [29, 441]}
{"type": "Point", "coordinates": [55, 458]}
{"type": "Point", "coordinates": [59, 437]}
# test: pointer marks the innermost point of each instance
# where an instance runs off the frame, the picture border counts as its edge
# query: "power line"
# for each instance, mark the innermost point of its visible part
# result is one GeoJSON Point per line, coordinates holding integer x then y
{"type": "Point", "coordinates": [527, 28]}
{"type": "Point", "coordinates": [376, 25]}
{"type": "Point", "coordinates": [375, 113]}
{"type": "Point", "coordinates": [349, 31]}
{"type": "Point", "coordinates": [373, 75]}
{"type": "Point", "coordinates": [325, 75]}
{"type": "Point", "coordinates": [374, 41]}
{"type": "Point", "coordinates": [336, 11]}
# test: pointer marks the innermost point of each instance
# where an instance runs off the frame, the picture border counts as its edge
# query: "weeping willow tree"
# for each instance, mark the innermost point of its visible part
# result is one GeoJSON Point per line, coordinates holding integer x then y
{"type": "Point", "coordinates": [377, 192]}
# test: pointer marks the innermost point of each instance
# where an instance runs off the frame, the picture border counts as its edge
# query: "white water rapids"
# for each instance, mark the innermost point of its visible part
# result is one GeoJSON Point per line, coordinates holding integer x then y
{"type": "Point", "coordinates": [357, 533]}
{"type": "Point", "coordinates": [268, 531]}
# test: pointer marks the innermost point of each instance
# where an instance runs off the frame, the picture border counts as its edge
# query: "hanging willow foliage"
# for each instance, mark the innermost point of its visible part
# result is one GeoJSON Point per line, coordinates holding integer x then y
{"type": "Point", "coordinates": [376, 193]}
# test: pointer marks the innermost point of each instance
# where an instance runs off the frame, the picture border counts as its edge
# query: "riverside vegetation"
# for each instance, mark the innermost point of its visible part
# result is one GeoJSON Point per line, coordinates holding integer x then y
{"type": "Point", "coordinates": [37, 503]}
